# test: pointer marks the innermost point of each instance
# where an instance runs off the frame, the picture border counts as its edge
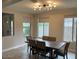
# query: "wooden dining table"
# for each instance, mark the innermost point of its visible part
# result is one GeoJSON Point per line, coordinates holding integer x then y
{"type": "Point", "coordinates": [52, 45]}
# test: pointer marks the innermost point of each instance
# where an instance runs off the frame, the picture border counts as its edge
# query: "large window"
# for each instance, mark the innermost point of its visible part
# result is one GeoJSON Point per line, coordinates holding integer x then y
{"type": "Point", "coordinates": [26, 29]}
{"type": "Point", "coordinates": [43, 29]}
{"type": "Point", "coordinates": [70, 29]}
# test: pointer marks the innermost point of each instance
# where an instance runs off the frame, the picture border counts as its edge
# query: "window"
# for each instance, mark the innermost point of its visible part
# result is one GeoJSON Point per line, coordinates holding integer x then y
{"type": "Point", "coordinates": [70, 28]}
{"type": "Point", "coordinates": [43, 29]}
{"type": "Point", "coordinates": [26, 29]}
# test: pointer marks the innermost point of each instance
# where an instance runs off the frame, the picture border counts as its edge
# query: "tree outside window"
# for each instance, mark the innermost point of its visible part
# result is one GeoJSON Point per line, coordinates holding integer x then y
{"type": "Point", "coordinates": [26, 29]}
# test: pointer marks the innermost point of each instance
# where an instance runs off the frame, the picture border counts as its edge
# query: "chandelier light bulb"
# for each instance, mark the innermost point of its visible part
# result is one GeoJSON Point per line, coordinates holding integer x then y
{"type": "Point", "coordinates": [50, 5]}
{"type": "Point", "coordinates": [54, 6]}
{"type": "Point", "coordinates": [49, 2]}
{"type": "Point", "coordinates": [37, 3]}
{"type": "Point", "coordinates": [34, 9]}
{"type": "Point", "coordinates": [40, 7]}
{"type": "Point", "coordinates": [54, 3]}
{"type": "Point", "coordinates": [50, 8]}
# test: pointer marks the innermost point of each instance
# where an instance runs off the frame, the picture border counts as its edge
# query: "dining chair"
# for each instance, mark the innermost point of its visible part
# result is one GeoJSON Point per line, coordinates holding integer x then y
{"type": "Point", "coordinates": [49, 38]}
{"type": "Point", "coordinates": [32, 44]}
{"type": "Point", "coordinates": [42, 49]}
{"type": "Point", "coordinates": [63, 52]}
{"type": "Point", "coordinates": [33, 47]}
{"type": "Point", "coordinates": [45, 38]}
{"type": "Point", "coordinates": [27, 39]}
{"type": "Point", "coordinates": [52, 38]}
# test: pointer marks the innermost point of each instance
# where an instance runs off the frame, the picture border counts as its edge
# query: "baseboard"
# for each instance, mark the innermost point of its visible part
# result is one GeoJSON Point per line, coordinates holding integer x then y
{"type": "Point", "coordinates": [15, 47]}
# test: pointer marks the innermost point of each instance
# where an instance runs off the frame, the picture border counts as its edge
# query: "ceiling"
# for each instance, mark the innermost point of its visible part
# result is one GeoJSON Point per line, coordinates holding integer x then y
{"type": "Point", "coordinates": [27, 5]}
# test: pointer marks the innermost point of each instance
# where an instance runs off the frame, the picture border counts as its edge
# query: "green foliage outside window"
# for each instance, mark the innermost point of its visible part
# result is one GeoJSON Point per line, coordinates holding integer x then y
{"type": "Point", "coordinates": [26, 29]}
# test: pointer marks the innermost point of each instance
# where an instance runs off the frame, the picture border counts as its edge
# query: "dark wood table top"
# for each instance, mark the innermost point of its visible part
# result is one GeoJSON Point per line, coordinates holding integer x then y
{"type": "Point", "coordinates": [52, 44]}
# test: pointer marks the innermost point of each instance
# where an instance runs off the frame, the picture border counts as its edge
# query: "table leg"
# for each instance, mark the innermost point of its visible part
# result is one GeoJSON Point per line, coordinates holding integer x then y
{"type": "Point", "coordinates": [51, 54]}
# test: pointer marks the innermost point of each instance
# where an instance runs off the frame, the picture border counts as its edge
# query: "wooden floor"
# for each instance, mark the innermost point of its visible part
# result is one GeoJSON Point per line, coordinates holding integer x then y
{"type": "Point", "coordinates": [21, 53]}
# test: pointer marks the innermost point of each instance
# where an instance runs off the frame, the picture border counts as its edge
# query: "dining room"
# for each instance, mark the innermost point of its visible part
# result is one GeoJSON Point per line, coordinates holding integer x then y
{"type": "Point", "coordinates": [51, 25]}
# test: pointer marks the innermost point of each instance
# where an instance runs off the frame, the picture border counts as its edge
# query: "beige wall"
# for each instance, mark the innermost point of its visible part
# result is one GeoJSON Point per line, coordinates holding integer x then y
{"type": "Point", "coordinates": [18, 38]}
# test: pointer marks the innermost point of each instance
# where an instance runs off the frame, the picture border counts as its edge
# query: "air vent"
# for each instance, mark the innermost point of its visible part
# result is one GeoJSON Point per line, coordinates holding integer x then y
{"type": "Point", "coordinates": [33, 1]}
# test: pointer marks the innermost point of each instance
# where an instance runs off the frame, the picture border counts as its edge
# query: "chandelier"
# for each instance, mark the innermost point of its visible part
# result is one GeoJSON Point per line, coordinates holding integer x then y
{"type": "Point", "coordinates": [46, 6]}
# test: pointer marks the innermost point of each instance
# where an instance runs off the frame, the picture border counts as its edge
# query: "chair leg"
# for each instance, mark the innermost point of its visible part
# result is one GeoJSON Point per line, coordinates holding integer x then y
{"type": "Point", "coordinates": [27, 47]}
{"type": "Point", "coordinates": [30, 51]}
{"type": "Point", "coordinates": [66, 56]}
{"type": "Point", "coordinates": [35, 57]}
{"type": "Point", "coordinates": [56, 56]}
{"type": "Point", "coordinates": [38, 55]}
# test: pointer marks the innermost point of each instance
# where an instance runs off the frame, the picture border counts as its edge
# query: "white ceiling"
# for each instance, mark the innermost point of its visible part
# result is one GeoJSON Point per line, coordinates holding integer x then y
{"type": "Point", "coordinates": [27, 5]}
